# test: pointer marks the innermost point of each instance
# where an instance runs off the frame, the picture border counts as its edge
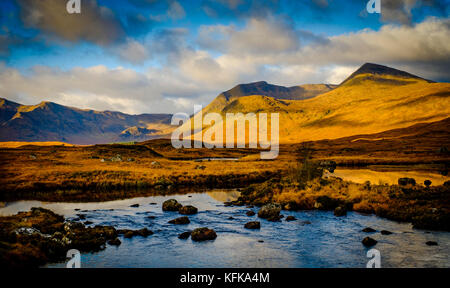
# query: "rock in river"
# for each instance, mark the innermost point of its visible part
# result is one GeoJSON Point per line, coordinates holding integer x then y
{"type": "Point", "coordinates": [171, 205]}
{"type": "Point", "coordinates": [202, 234]}
{"type": "Point", "coordinates": [368, 230]}
{"type": "Point", "coordinates": [188, 210]}
{"type": "Point", "coordinates": [368, 242]}
{"type": "Point", "coordinates": [184, 235]}
{"type": "Point", "coordinates": [340, 211]}
{"type": "Point", "coordinates": [270, 211]}
{"type": "Point", "coordinates": [114, 242]}
{"type": "Point", "coordinates": [250, 213]}
{"type": "Point", "coordinates": [290, 218]}
{"type": "Point", "coordinates": [385, 232]}
{"type": "Point", "coordinates": [253, 225]}
{"type": "Point", "coordinates": [180, 220]}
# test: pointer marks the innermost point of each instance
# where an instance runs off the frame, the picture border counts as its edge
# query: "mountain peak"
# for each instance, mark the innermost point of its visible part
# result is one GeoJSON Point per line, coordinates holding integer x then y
{"type": "Point", "coordinates": [381, 70]}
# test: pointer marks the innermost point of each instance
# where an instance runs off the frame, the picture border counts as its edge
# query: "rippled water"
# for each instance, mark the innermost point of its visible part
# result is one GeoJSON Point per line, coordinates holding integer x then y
{"type": "Point", "coordinates": [328, 241]}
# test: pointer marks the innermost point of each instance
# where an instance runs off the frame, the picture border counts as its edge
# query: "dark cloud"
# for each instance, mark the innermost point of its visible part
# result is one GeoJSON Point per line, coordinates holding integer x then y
{"type": "Point", "coordinates": [404, 11]}
{"type": "Point", "coordinates": [95, 24]}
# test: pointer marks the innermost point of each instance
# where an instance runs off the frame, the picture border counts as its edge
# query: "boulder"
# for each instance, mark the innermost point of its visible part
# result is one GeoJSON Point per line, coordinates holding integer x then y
{"type": "Point", "coordinates": [290, 218]}
{"type": "Point", "coordinates": [184, 235]}
{"type": "Point", "coordinates": [253, 225]}
{"type": "Point", "coordinates": [114, 242]}
{"type": "Point", "coordinates": [368, 230]}
{"type": "Point", "coordinates": [270, 211]}
{"type": "Point", "coordinates": [202, 234]}
{"type": "Point", "coordinates": [188, 210]}
{"type": "Point", "coordinates": [340, 211]}
{"type": "Point", "coordinates": [180, 221]}
{"type": "Point", "coordinates": [368, 242]}
{"type": "Point", "coordinates": [427, 183]}
{"type": "Point", "coordinates": [144, 232]}
{"type": "Point", "coordinates": [171, 205]}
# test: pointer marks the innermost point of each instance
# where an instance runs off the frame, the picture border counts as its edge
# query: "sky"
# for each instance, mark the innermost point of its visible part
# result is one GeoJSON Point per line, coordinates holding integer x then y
{"type": "Point", "coordinates": [165, 56]}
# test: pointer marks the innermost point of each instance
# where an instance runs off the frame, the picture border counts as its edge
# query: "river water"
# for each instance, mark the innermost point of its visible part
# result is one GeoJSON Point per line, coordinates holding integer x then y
{"type": "Point", "coordinates": [328, 241]}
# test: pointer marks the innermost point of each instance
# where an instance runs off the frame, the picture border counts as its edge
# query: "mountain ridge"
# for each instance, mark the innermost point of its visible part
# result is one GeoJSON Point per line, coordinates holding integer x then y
{"type": "Point", "coordinates": [49, 121]}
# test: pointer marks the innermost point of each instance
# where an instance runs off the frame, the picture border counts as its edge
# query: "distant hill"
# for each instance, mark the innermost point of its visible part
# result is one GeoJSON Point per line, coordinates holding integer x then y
{"type": "Point", "coordinates": [49, 121]}
{"type": "Point", "coordinates": [300, 92]}
{"type": "Point", "coordinates": [374, 99]}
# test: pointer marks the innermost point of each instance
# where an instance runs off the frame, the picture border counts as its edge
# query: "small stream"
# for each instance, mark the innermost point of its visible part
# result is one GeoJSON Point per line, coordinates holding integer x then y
{"type": "Point", "coordinates": [328, 241]}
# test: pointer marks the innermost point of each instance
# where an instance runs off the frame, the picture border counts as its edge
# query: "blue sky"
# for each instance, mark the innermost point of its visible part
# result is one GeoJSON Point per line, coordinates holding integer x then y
{"type": "Point", "coordinates": [165, 56]}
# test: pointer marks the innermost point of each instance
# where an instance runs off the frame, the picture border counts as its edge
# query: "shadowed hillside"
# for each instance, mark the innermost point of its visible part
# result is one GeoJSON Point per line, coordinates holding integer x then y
{"type": "Point", "coordinates": [49, 121]}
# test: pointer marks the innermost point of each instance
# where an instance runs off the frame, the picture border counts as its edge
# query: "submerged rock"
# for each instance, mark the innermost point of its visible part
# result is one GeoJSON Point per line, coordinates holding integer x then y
{"type": "Point", "coordinates": [134, 205]}
{"type": "Point", "coordinates": [114, 242]}
{"type": "Point", "coordinates": [188, 210]}
{"type": "Point", "coordinates": [368, 242]}
{"type": "Point", "coordinates": [253, 225]}
{"type": "Point", "coordinates": [171, 205]}
{"type": "Point", "coordinates": [202, 234]}
{"type": "Point", "coordinates": [368, 230]}
{"type": "Point", "coordinates": [184, 235]}
{"type": "Point", "coordinates": [180, 221]}
{"type": "Point", "coordinates": [340, 211]}
{"type": "Point", "coordinates": [290, 218]}
{"type": "Point", "coordinates": [128, 233]}
{"type": "Point", "coordinates": [431, 243]}
{"type": "Point", "coordinates": [385, 232]}
{"type": "Point", "coordinates": [270, 211]}
{"type": "Point", "coordinates": [250, 213]}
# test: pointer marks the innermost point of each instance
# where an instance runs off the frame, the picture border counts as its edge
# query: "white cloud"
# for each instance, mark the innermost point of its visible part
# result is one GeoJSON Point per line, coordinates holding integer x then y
{"type": "Point", "coordinates": [132, 51]}
{"type": "Point", "coordinates": [190, 76]}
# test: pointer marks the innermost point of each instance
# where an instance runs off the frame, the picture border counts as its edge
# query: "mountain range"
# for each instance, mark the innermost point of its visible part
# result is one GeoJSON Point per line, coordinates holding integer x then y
{"type": "Point", "coordinates": [373, 99]}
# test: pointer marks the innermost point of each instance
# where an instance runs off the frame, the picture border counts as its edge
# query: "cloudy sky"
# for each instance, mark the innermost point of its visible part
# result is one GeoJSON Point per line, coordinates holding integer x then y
{"type": "Point", "coordinates": [155, 56]}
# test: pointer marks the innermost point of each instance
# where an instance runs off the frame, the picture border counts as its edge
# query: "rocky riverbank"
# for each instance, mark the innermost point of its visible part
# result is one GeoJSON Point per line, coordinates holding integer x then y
{"type": "Point", "coordinates": [424, 206]}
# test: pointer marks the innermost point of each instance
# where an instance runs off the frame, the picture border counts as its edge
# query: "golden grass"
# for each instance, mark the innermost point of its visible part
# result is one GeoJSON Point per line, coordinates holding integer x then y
{"type": "Point", "coordinates": [17, 144]}
{"type": "Point", "coordinates": [362, 106]}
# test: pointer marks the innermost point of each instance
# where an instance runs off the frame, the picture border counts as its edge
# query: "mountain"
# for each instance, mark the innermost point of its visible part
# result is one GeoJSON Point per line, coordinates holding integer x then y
{"type": "Point", "coordinates": [373, 99]}
{"type": "Point", "coordinates": [376, 72]}
{"type": "Point", "coordinates": [49, 121]}
{"type": "Point", "coordinates": [300, 92]}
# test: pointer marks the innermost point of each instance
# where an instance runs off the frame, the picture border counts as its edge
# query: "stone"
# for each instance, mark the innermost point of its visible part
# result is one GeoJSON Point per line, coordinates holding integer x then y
{"type": "Point", "coordinates": [290, 218]}
{"type": "Point", "coordinates": [171, 205]}
{"type": "Point", "coordinates": [368, 230]}
{"type": "Point", "coordinates": [269, 211]}
{"type": "Point", "coordinates": [253, 225]}
{"type": "Point", "coordinates": [340, 211]}
{"type": "Point", "coordinates": [184, 235]}
{"type": "Point", "coordinates": [188, 210]}
{"type": "Point", "coordinates": [180, 221]}
{"type": "Point", "coordinates": [368, 242]}
{"type": "Point", "coordinates": [203, 234]}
